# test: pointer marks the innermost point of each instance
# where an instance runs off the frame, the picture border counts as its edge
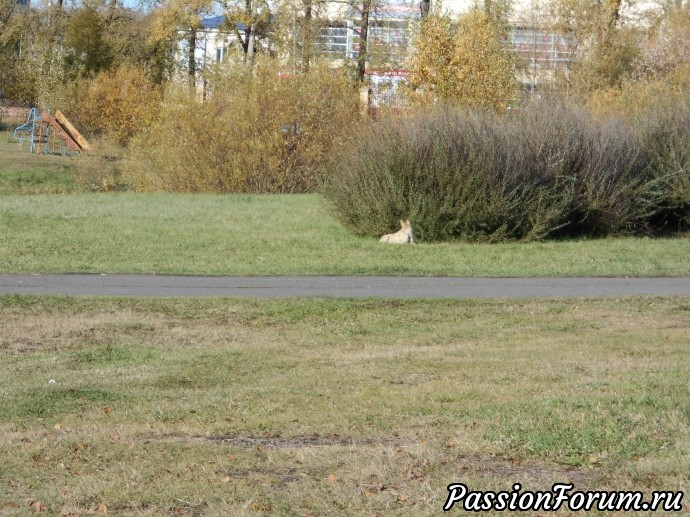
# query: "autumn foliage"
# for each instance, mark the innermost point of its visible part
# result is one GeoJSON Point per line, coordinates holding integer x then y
{"type": "Point", "coordinates": [118, 103]}
{"type": "Point", "coordinates": [467, 64]}
{"type": "Point", "coordinates": [259, 131]}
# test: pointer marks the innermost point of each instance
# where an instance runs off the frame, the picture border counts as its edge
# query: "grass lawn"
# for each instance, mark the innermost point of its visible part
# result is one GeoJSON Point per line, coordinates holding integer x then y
{"type": "Point", "coordinates": [24, 173]}
{"type": "Point", "coordinates": [41, 232]}
{"type": "Point", "coordinates": [278, 235]}
{"type": "Point", "coordinates": [208, 407]}
{"type": "Point", "coordinates": [334, 407]}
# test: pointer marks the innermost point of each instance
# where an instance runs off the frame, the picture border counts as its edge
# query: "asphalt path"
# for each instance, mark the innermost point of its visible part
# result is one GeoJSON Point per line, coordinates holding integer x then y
{"type": "Point", "coordinates": [338, 286]}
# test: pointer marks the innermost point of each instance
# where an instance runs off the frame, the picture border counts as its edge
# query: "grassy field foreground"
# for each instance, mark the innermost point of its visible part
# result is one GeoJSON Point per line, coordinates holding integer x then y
{"type": "Point", "coordinates": [278, 235]}
{"type": "Point", "coordinates": [325, 407]}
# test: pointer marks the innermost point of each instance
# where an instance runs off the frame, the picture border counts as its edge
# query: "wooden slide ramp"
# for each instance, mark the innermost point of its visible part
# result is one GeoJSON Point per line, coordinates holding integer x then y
{"type": "Point", "coordinates": [69, 134]}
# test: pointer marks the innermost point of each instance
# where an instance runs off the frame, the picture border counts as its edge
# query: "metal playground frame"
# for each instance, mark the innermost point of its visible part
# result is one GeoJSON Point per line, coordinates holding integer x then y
{"type": "Point", "coordinates": [46, 134]}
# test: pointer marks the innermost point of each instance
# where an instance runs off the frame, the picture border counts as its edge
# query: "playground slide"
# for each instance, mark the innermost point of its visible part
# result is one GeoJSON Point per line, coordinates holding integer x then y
{"type": "Point", "coordinates": [72, 131]}
{"type": "Point", "coordinates": [66, 130]}
{"type": "Point", "coordinates": [43, 131]}
{"type": "Point", "coordinates": [66, 137]}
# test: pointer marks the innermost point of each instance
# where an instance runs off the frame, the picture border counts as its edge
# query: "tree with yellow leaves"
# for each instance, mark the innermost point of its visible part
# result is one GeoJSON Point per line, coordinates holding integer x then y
{"type": "Point", "coordinates": [468, 64]}
{"type": "Point", "coordinates": [604, 49]}
{"type": "Point", "coordinates": [431, 63]}
{"type": "Point", "coordinates": [483, 65]}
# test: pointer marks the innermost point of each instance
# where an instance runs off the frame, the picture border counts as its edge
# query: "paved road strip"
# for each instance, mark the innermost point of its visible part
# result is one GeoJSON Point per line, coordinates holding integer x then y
{"type": "Point", "coordinates": [338, 286]}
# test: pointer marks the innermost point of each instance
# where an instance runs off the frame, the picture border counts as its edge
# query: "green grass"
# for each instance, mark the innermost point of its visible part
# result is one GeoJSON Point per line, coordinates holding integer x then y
{"type": "Point", "coordinates": [334, 407]}
{"type": "Point", "coordinates": [259, 235]}
{"type": "Point", "coordinates": [22, 172]}
{"type": "Point", "coordinates": [278, 235]}
{"type": "Point", "coordinates": [208, 407]}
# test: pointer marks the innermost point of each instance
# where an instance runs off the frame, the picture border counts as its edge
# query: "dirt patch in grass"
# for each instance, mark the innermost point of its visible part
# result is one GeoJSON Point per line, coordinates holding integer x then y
{"type": "Point", "coordinates": [280, 442]}
{"type": "Point", "coordinates": [527, 472]}
{"type": "Point", "coordinates": [36, 332]}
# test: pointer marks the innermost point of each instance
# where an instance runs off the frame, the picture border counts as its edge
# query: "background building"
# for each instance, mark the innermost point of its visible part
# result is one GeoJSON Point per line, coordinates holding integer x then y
{"type": "Point", "coordinates": [539, 53]}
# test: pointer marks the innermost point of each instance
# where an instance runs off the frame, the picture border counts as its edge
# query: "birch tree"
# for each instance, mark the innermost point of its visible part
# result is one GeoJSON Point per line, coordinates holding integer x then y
{"type": "Point", "coordinates": [178, 20]}
{"type": "Point", "coordinates": [249, 22]}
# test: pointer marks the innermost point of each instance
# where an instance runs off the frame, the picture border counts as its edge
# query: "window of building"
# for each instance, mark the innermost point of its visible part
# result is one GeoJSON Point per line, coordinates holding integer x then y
{"type": "Point", "coordinates": [540, 49]}
{"type": "Point", "coordinates": [220, 54]}
{"type": "Point", "coordinates": [334, 39]}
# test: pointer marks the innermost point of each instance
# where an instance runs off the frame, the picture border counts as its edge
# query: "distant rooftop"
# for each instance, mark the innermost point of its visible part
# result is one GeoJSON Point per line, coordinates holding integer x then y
{"type": "Point", "coordinates": [217, 21]}
{"type": "Point", "coordinates": [213, 23]}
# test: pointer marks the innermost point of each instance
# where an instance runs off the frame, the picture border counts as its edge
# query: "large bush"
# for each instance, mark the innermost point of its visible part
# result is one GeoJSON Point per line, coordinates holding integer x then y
{"type": "Point", "coordinates": [258, 131]}
{"type": "Point", "coordinates": [546, 171]}
{"type": "Point", "coordinates": [117, 103]}
{"type": "Point", "coordinates": [655, 100]}
{"type": "Point", "coordinates": [664, 135]}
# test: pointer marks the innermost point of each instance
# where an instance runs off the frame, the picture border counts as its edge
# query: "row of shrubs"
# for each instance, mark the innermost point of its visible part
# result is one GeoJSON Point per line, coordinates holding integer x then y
{"type": "Point", "coordinates": [545, 171]}
{"type": "Point", "coordinates": [259, 130]}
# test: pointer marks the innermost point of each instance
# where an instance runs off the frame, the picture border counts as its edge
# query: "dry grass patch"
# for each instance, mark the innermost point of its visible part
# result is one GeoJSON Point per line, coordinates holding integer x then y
{"type": "Point", "coordinates": [324, 407]}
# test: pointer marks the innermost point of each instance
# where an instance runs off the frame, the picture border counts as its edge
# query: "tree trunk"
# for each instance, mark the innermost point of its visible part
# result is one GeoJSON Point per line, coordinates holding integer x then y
{"type": "Point", "coordinates": [112, 7]}
{"type": "Point", "coordinates": [424, 7]}
{"type": "Point", "coordinates": [307, 43]}
{"type": "Point", "coordinates": [614, 12]}
{"type": "Point", "coordinates": [191, 58]}
{"type": "Point", "coordinates": [251, 37]}
{"type": "Point", "coordinates": [362, 56]}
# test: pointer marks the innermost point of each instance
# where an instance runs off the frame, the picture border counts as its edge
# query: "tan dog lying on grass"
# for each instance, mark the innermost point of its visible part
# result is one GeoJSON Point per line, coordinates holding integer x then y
{"type": "Point", "coordinates": [402, 236]}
